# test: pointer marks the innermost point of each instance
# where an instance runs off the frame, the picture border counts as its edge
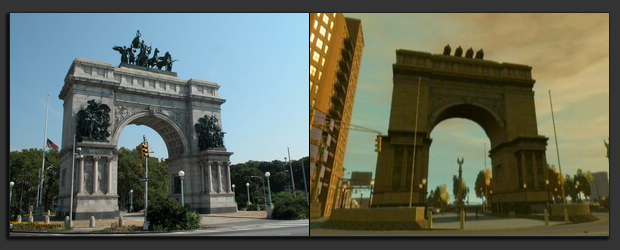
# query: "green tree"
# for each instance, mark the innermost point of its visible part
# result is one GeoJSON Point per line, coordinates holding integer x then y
{"type": "Point", "coordinates": [555, 180]}
{"type": "Point", "coordinates": [24, 171]}
{"type": "Point", "coordinates": [129, 174]}
{"type": "Point", "coordinates": [439, 197]}
{"type": "Point", "coordinates": [455, 188]}
{"type": "Point", "coordinates": [483, 184]}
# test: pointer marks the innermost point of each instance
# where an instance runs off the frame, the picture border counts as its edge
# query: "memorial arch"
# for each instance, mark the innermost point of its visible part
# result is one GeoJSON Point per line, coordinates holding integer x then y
{"type": "Point", "coordinates": [497, 96]}
{"type": "Point", "coordinates": [131, 94]}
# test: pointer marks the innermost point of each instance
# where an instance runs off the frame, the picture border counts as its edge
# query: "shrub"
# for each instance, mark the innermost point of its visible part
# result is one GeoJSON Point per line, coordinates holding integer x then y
{"type": "Point", "coordinates": [35, 226]}
{"type": "Point", "coordinates": [169, 215]}
{"type": "Point", "coordinates": [287, 207]}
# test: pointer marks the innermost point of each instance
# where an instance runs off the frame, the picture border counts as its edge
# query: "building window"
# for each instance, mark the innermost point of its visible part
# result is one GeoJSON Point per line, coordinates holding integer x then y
{"type": "Point", "coordinates": [334, 14]}
{"type": "Point", "coordinates": [322, 30]}
{"type": "Point", "coordinates": [311, 37]}
{"type": "Point", "coordinates": [316, 24]}
{"type": "Point", "coordinates": [313, 102]}
{"type": "Point", "coordinates": [319, 43]}
{"type": "Point", "coordinates": [316, 56]}
{"type": "Point", "coordinates": [320, 74]}
{"type": "Point", "coordinates": [326, 47]}
{"type": "Point", "coordinates": [329, 36]}
{"type": "Point", "coordinates": [331, 26]}
{"type": "Point", "coordinates": [312, 70]}
{"type": "Point", "coordinates": [323, 61]}
{"type": "Point", "coordinates": [318, 14]}
{"type": "Point", "coordinates": [325, 19]}
{"type": "Point", "coordinates": [311, 83]}
{"type": "Point", "coordinates": [316, 89]}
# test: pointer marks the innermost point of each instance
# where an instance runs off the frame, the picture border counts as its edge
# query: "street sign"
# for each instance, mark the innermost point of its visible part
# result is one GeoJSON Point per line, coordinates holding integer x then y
{"type": "Point", "coordinates": [144, 179]}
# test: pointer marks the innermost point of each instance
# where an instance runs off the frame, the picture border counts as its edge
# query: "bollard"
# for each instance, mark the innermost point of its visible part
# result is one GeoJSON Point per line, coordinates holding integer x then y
{"type": "Point", "coordinates": [49, 213]}
{"type": "Point", "coordinates": [566, 215]}
{"type": "Point", "coordinates": [30, 218]}
{"type": "Point", "coordinates": [92, 221]}
{"type": "Point", "coordinates": [430, 220]}
{"type": "Point", "coordinates": [462, 220]}
{"type": "Point", "coordinates": [546, 218]}
{"type": "Point", "coordinates": [121, 221]}
{"type": "Point", "coordinates": [67, 221]}
{"type": "Point", "coordinates": [19, 218]}
{"type": "Point", "coordinates": [47, 219]}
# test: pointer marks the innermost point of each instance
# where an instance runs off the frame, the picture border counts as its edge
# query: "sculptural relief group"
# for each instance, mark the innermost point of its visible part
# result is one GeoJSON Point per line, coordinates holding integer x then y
{"type": "Point", "coordinates": [128, 55]}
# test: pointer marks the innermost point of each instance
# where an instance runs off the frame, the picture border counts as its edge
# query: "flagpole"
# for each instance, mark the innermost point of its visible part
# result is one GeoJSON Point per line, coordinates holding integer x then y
{"type": "Point", "coordinates": [39, 210]}
{"type": "Point", "coordinates": [557, 149]}
{"type": "Point", "coordinates": [415, 142]}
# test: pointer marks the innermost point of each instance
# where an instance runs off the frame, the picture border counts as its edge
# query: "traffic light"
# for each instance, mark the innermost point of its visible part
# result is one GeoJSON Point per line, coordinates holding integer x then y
{"type": "Point", "coordinates": [378, 145]}
{"type": "Point", "coordinates": [139, 149]}
{"type": "Point", "coordinates": [145, 150]}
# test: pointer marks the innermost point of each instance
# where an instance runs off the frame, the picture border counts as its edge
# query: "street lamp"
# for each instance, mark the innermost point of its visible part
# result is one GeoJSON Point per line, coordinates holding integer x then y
{"type": "Point", "coordinates": [292, 179]}
{"type": "Point", "coordinates": [77, 153]}
{"type": "Point", "coordinates": [233, 187]}
{"type": "Point", "coordinates": [181, 174]}
{"type": "Point", "coordinates": [548, 195]}
{"type": "Point", "coordinates": [361, 199]}
{"type": "Point", "coordinates": [422, 185]}
{"type": "Point", "coordinates": [11, 184]}
{"type": "Point", "coordinates": [267, 174]}
{"type": "Point", "coordinates": [248, 186]}
{"type": "Point", "coordinates": [525, 188]}
{"type": "Point", "coordinates": [131, 200]}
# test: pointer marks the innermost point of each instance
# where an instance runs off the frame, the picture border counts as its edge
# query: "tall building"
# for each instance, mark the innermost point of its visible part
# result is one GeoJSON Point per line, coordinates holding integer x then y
{"type": "Point", "coordinates": [336, 45]}
{"type": "Point", "coordinates": [599, 190]}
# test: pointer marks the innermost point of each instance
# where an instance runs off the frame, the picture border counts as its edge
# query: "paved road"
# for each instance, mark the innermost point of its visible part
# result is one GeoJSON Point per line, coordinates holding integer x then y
{"type": "Point", "coordinates": [488, 227]}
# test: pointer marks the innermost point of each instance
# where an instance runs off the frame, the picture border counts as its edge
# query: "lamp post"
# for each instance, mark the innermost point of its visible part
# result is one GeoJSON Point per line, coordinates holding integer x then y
{"type": "Point", "coordinates": [131, 200]}
{"type": "Point", "coordinates": [421, 194]}
{"type": "Point", "coordinates": [248, 187]}
{"type": "Point", "coordinates": [73, 156]}
{"type": "Point", "coordinates": [267, 174]}
{"type": "Point", "coordinates": [181, 174]}
{"type": "Point", "coordinates": [233, 187]}
{"type": "Point", "coordinates": [548, 195]}
{"type": "Point", "coordinates": [361, 199]}
{"type": "Point", "coordinates": [577, 190]}
{"type": "Point", "coordinates": [292, 179]}
{"type": "Point", "coordinates": [525, 188]}
{"type": "Point", "coordinates": [11, 184]}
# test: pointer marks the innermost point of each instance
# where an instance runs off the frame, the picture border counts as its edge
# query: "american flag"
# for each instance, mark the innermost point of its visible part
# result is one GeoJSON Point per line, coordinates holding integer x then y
{"type": "Point", "coordinates": [51, 145]}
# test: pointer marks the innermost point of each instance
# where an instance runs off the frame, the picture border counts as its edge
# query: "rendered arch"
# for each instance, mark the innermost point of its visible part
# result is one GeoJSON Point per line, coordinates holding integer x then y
{"type": "Point", "coordinates": [154, 98]}
{"type": "Point", "coordinates": [496, 96]}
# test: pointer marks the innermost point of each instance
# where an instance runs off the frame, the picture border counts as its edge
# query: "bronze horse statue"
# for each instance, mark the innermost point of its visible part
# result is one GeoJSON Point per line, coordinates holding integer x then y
{"type": "Point", "coordinates": [143, 56]}
{"type": "Point", "coordinates": [151, 62]}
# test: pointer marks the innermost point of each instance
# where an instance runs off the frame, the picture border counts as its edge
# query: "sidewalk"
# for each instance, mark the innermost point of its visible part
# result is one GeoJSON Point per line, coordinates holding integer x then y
{"type": "Point", "coordinates": [137, 219]}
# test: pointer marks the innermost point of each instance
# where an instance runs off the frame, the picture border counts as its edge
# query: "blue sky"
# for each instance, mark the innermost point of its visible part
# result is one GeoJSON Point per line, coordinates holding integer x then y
{"type": "Point", "coordinates": [259, 61]}
{"type": "Point", "coordinates": [569, 54]}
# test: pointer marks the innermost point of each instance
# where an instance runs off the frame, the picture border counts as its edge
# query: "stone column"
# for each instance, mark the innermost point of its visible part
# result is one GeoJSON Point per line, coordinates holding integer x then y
{"type": "Point", "coordinates": [202, 174]}
{"type": "Point", "coordinates": [227, 176]}
{"type": "Point", "coordinates": [210, 176]}
{"type": "Point", "coordinates": [95, 175]}
{"type": "Point", "coordinates": [219, 177]}
{"type": "Point", "coordinates": [81, 176]}
{"type": "Point", "coordinates": [109, 175]}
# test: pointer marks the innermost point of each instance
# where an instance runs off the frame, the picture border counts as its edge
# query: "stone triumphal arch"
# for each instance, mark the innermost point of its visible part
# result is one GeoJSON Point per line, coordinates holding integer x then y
{"type": "Point", "coordinates": [497, 96]}
{"type": "Point", "coordinates": [176, 109]}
